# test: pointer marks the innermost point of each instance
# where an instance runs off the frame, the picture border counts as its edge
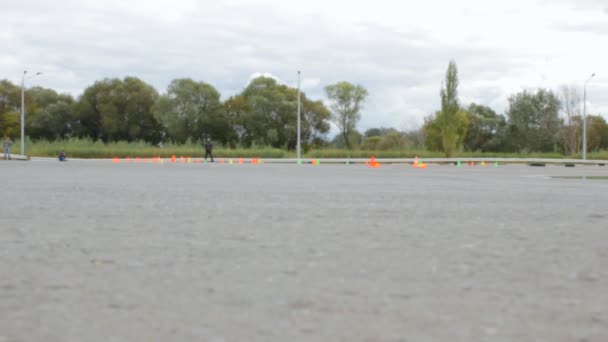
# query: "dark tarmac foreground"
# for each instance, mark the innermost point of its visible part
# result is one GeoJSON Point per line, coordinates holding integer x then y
{"type": "Point", "coordinates": [96, 251]}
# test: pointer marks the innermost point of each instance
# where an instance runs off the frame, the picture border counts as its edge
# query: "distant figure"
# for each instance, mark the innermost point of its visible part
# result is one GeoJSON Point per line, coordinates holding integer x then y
{"type": "Point", "coordinates": [7, 148]}
{"type": "Point", "coordinates": [62, 156]}
{"type": "Point", "coordinates": [208, 149]}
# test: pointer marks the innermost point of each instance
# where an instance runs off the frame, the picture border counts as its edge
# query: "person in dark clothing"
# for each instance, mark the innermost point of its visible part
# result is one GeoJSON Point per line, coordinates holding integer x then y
{"type": "Point", "coordinates": [208, 149]}
{"type": "Point", "coordinates": [62, 156]}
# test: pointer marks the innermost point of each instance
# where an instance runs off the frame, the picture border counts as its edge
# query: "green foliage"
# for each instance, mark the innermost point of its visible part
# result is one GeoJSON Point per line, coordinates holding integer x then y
{"type": "Point", "coordinates": [435, 136]}
{"type": "Point", "coordinates": [265, 113]}
{"type": "Point", "coordinates": [534, 120]}
{"type": "Point", "coordinates": [597, 134]}
{"type": "Point", "coordinates": [485, 129]}
{"type": "Point", "coordinates": [115, 112]}
{"type": "Point", "coordinates": [115, 109]}
{"type": "Point", "coordinates": [192, 110]}
{"type": "Point", "coordinates": [371, 143]}
{"type": "Point", "coordinates": [9, 124]}
{"type": "Point", "coordinates": [87, 148]}
{"type": "Point", "coordinates": [10, 97]}
{"type": "Point", "coordinates": [354, 140]}
{"type": "Point", "coordinates": [432, 134]}
{"type": "Point", "coordinates": [386, 139]}
{"type": "Point", "coordinates": [393, 141]}
{"type": "Point", "coordinates": [450, 121]}
{"type": "Point", "coordinates": [381, 131]}
{"type": "Point", "coordinates": [10, 106]}
{"type": "Point", "coordinates": [346, 101]}
{"type": "Point", "coordinates": [54, 116]}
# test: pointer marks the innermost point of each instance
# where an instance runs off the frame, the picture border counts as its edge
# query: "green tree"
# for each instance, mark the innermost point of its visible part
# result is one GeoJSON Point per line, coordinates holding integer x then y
{"type": "Point", "coordinates": [384, 139]}
{"type": "Point", "coordinates": [373, 132]}
{"type": "Point", "coordinates": [393, 141]}
{"type": "Point", "coordinates": [597, 138]}
{"type": "Point", "coordinates": [371, 142]}
{"type": "Point", "coordinates": [271, 117]}
{"type": "Point", "coordinates": [10, 106]}
{"type": "Point", "coordinates": [314, 124]}
{"type": "Point", "coordinates": [449, 120]}
{"type": "Point", "coordinates": [346, 102]}
{"type": "Point", "coordinates": [355, 138]}
{"type": "Point", "coordinates": [237, 109]}
{"type": "Point", "coordinates": [415, 138]}
{"type": "Point", "coordinates": [192, 110]}
{"type": "Point", "coordinates": [484, 129]}
{"type": "Point", "coordinates": [534, 120]}
{"type": "Point", "coordinates": [380, 131]}
{"type": "Point", "coordinates": [433, 134]}
{"type": "Point", "coordinates": [114, 109]}
{"type": "Point", "coordinates": [265, 114]}
{"type": "Point", "coordinates": [54, 117]}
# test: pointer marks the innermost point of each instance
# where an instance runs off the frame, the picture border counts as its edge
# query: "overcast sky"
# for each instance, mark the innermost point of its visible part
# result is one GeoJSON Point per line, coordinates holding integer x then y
{"type": "Point", "coordinates": [398, 50]}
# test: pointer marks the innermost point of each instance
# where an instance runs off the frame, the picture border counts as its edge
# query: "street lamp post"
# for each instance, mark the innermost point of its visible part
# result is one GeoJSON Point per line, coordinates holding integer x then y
{"type": "Point", "coordinates": [23, 78]}
{"type": "Point", "coordinates": [298, 150]}
{"type": "Point", "coordinates": [585, 117]}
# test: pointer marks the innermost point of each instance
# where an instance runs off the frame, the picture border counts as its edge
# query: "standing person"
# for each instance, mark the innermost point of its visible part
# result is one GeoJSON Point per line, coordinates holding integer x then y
{"type": "Point", "coordinates": [7, 148]}
{"type": "Point", "coordinates": [208, 149]}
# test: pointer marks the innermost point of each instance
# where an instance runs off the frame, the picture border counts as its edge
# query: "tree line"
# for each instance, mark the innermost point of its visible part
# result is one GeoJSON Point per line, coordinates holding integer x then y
{"type": "Point", "coordinates": [263, 114]}
{"type": "Point", "coordinates": [130, 110]}
{"type": "Point", "coordinates": [535, 121]}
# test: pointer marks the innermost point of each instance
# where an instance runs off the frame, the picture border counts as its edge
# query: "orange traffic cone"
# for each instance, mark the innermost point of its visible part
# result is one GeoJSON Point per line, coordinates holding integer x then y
{"type": "Point", "coordinates": [419, 164]}
{"type": "Point", "coordinates": [373, 163]}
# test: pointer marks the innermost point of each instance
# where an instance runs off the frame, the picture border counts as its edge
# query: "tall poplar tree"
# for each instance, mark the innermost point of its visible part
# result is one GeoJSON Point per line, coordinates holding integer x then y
{"type": "Point", "coordinates": [448, 119]}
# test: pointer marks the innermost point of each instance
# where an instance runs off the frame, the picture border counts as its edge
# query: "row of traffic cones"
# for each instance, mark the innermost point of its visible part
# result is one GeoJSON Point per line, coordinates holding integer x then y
{"type": "Point", "coordinates": [371, 163]}
{"type": "Point", "coordinates": [185, 160]}
{"type": "Point", "coordinates": [419, 164]}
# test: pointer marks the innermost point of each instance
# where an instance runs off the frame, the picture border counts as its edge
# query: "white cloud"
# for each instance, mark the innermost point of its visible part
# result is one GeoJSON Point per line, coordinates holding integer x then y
{"type": "Point", "coordinates": [264, 74]}
{"type": "Point", "coordinates": [310, 83]}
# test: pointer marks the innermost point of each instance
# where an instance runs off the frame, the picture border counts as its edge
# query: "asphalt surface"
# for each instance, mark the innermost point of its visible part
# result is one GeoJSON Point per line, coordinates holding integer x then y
{"type": "Point", "coordinates": [97, 251]}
